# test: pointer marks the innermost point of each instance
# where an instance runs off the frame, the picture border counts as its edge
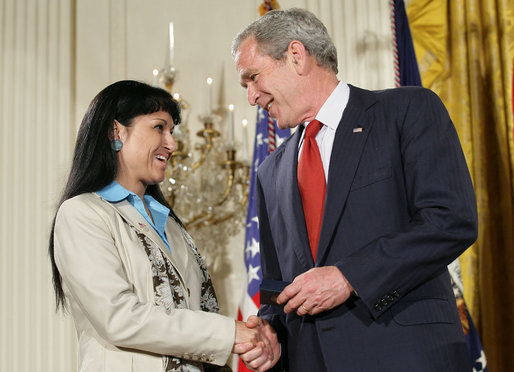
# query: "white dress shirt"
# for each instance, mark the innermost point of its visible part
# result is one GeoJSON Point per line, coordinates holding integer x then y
{"type": "Point", "coordinates": [329, 115]}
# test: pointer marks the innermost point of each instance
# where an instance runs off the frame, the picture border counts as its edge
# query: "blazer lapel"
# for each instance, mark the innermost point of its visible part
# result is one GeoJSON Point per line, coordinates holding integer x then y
{"type": "Point", "coordinates": [139, 223]}
{"type": "Point", "coordinates": [290, 201]}
{"type": "Point", "coordinates": [349, 142]}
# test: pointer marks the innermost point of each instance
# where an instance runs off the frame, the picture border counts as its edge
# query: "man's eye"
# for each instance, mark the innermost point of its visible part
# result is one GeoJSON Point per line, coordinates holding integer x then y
{"type": "Point", "coordinates": [159, 127]}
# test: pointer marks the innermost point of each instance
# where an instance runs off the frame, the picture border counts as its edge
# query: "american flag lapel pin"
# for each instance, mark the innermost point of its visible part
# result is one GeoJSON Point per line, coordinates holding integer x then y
{"type": "Point", "coordinates": [357, 129]}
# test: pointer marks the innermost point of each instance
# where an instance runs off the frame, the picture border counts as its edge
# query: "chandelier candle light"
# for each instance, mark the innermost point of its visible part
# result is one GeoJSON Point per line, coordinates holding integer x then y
{"type": "Point", "coordinates": [155, 82]}
{"type": "Point", "coordinates": [231, 125]}
{"type": "Point", "coordinates": [172, 45]}
{"type": "Point", "coordinates": [244, 123]}
{"type": "Point", "coordinates": [209, 96]}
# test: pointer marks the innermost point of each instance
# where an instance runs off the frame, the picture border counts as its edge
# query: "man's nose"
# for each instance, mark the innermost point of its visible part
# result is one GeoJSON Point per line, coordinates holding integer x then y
{"type": "Point", "coordinates": [253, 95]}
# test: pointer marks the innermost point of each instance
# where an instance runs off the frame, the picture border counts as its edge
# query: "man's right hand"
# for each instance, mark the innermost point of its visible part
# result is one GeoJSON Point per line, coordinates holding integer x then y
{"type": "Point", "coordinates": [266, 352]}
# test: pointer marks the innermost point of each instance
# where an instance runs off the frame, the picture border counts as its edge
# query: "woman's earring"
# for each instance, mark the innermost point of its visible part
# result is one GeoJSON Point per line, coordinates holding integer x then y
{"type": "Point", "coordinates": [116, 145]}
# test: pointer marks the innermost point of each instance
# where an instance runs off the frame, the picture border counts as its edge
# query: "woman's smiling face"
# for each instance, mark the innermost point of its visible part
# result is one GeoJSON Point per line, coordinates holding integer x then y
{"type": "Point", "coordinates": [147, 145]}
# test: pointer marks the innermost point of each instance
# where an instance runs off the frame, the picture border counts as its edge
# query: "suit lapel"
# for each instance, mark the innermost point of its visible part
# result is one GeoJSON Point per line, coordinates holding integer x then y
{"type": "Point", "coordinates": [349, 141]}
{"type": "Point", "coordinates": [290, 201]}
{"type": "Point", "coordinates": [139, 223]}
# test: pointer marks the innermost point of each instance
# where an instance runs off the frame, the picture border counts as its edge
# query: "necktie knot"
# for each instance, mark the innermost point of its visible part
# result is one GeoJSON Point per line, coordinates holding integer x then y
{"type": "Point", "coordinates": [313, 128]}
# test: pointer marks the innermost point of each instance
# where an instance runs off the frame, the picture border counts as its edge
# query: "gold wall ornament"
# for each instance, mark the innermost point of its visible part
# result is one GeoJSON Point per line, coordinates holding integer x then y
{"type": "Point", "coordinates": [207, 190]}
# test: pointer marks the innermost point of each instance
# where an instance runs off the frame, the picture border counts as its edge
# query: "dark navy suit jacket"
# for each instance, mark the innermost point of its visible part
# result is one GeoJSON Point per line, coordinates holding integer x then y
{"type": "Point", "coordinates": [399, 208]}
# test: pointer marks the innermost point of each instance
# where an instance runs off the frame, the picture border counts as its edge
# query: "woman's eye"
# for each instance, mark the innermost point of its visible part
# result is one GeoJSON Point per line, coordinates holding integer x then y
{"type": "Point", "coordinates": [159, 127]}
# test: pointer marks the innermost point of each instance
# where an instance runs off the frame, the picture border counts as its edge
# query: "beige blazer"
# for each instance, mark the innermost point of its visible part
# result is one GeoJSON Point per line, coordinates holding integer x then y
{"type": "Point", "coordinates": [107, 279]}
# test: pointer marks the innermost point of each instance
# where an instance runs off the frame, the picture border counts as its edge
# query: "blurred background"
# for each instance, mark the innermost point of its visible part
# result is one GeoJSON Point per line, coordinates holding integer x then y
{"type": "Point", "coordinates": [56, 55]}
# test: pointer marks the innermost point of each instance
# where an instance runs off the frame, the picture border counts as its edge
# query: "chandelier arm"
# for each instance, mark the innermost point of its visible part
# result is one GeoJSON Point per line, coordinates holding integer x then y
{"type": "Point", "coordinates": [196, 219]}
{"type": "Point", "coordinates": [228, 189]}
{"type": "Point", "coordinates": [244, 181]}
{"type": "Point", "coordinates": [230, 183]}
{"type": "Point", "coordinates": [208, 134]}
{"type": "Point", "coordinates": [205, 150]}
{"type": "Point", "coordinates": [216, 221]}
{"type": "Point", "coordinates": [244, 200]}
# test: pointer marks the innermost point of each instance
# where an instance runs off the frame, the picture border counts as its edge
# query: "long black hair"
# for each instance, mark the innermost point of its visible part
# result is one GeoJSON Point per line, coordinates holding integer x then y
{"type": "Point", "coordinates": [95, 163]}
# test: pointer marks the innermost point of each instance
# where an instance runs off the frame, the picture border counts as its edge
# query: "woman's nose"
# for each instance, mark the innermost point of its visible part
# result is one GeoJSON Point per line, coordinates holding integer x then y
{"type": "Point", "coordinates": [169, 142]}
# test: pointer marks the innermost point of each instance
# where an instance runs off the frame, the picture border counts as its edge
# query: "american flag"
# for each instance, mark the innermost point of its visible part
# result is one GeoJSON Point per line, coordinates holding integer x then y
{"type": "Point", "coordinates": [267, 136]}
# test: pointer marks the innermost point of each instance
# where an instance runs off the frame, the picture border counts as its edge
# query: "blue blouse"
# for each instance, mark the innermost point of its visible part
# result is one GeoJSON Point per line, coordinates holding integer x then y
{"type": "Point", "coordinates": [114, 193]}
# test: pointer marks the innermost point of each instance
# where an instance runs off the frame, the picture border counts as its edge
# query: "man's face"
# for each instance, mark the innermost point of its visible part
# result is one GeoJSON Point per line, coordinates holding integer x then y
{"type": "Point", "coordinates": [269, 83]}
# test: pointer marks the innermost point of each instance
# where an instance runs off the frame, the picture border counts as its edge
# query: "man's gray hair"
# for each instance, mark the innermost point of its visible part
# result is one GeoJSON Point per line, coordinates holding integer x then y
{"type": "Point", "coordinates": [277, 28]}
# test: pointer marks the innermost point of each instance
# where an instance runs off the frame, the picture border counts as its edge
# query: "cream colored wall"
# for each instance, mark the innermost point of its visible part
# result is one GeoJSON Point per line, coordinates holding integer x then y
{"type": "Point", "coordinates": [55, 56]}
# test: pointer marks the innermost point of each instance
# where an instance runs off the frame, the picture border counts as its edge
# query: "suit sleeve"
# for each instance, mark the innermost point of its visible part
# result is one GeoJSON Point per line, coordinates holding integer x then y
{"type": "Point", "coordinates": [270, 270]}
{"type": "Point", "coordinates": [440, 201]}
{"type": "Point", "coordinates": [95, 278]}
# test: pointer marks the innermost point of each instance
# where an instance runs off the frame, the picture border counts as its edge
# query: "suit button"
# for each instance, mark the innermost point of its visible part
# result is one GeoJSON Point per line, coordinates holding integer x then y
{"type": "Point", "coordinates": [377, 307]}
{"type": "Point", "coordinates": [396, 294]}
{"type": "Point", "coordinates": [389, 298]}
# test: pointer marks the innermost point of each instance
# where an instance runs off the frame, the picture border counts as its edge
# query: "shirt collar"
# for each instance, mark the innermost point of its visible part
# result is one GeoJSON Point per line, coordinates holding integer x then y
{"type": "Point", "coordinates": [114, 192]}
{"type": "Point", "coordinates": [332, 110]}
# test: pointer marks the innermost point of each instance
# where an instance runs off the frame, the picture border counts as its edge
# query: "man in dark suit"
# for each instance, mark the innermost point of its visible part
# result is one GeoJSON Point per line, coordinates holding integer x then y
{"type": "Point", "coordinates": [362, 214]}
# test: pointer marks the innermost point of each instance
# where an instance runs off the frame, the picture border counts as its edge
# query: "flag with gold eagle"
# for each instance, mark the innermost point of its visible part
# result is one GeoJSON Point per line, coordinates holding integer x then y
{"type": "Point", "coordinates": [407, 73]}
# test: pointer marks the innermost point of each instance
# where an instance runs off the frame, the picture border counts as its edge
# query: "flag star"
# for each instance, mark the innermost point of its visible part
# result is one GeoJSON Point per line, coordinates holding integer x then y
{"type": "Point", "coordinates": [481, 360]}
{"type": "Point", "coordinates": [252, 248]}
{"type": "Point", "coordinates": [253, 273]}
{"type": "Point", "coordinates": [259, 139]}
{"type": "Point", "coordinates": [260, 114]}
{"type": "Point", "coordinates": [253, 220]}
{"type": "Point", "coordinates": [280, 140]}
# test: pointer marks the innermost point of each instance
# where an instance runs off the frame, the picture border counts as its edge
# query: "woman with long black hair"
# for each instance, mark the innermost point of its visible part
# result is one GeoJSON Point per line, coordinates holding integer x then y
{"type": "Point", "coordinates": [123, 263]}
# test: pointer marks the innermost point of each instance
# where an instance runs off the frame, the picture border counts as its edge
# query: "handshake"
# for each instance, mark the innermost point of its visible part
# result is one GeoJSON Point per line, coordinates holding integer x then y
{"type": "Point", "coordinates": [256, 343]}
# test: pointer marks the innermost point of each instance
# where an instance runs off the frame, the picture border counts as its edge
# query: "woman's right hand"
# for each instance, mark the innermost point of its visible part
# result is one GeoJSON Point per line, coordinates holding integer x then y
{"type": "Point", "coordinates": [257, 344]}
{"type": "Point", "coordinates": [246, 338]}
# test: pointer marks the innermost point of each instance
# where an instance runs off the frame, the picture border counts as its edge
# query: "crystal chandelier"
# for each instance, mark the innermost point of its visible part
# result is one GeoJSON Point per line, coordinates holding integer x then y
{"type": "Point", "coordinates": [207, 190]}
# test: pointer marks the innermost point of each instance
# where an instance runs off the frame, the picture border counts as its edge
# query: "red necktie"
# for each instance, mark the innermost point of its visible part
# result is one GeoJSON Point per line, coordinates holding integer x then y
{"type": "Point", "coordinates": [311, 182]}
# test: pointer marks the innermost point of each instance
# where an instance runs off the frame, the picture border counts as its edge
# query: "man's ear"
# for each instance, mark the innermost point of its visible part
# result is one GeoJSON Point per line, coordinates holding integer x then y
{"type": "Point", "coordinates": [297, 55]}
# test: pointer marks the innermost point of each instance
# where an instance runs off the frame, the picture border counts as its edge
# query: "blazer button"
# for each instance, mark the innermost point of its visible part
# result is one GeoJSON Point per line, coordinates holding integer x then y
{"type": "Point", "coordinates": [389, 298]}
{"type": "Point", "coordinates": [378, 307]}
{"type": "Point", "coordinates": [384, 302]}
